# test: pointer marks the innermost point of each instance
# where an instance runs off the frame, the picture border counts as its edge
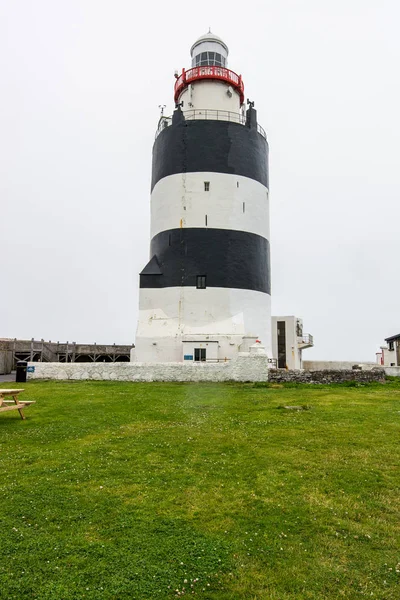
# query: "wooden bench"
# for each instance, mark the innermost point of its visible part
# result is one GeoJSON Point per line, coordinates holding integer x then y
{"type": "Point", "coordinates": [8, 404]}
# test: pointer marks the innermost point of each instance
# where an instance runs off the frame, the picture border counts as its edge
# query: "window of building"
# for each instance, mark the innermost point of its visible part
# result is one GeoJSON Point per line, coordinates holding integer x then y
{"type": "Point", "coordinates": [206, 186]}
{"type": "Point", "coordinates": [200, 355]}
{"type": "Point", "coordinates": [244, 206]}
{"type": "Point", "coordinates": [206, 220]}
{"type": "Point", "coordinates": [209, 59]}
{"type": "Point", "coordinates": [201, 282]}
{"type": "Point", "coordinates": [281, 330]}
{"type": "Point", "coordinates": [391, 345]}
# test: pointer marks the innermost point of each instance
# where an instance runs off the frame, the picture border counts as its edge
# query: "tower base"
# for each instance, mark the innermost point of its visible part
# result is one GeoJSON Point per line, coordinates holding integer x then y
{"type": "Point", "coordinates": [210, 325]}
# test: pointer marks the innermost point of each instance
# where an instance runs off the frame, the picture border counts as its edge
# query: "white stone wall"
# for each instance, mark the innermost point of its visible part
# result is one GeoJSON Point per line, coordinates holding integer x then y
{"type": "Point", "coordinates": [169, 316]}
{"type": "Point", "coordinates": [335, 365]}
{"type": "Point", "coordinates": [207, 94]}
{"type": "Point", "coordinates": [210, 346]}
{"type": "Point", "coordinates": [244, 368]}
{"type": "Point", "coordinates": [232, 202]}
{"type": "Point", "coordinates": [393, 371]}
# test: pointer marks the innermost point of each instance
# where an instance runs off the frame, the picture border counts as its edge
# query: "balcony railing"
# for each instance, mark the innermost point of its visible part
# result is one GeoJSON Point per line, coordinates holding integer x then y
{"type": "Point", "coordinates": [305, 341]}
{"type": "Point", "coordinates": [162, 124]}
{"type": "Point", "coordinates": [214, 115]}
{"type": "Point", "coordinates": [209, 72]}
{"type": "Point", "coordinates": [211, 115]}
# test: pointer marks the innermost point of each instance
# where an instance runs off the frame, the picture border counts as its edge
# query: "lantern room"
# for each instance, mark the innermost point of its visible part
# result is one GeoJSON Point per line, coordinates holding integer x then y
{"type": "Point", "coordinates": [209, 51]}
{"type": "Point", "coordinates": [208, 90]}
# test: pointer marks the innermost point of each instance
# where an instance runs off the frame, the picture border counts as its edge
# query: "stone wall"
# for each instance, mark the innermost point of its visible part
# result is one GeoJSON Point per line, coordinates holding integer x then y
{"type": "Point", "coordinates": [324, 377]}
{"type": "Point", "coordinates": [328, 365]}
{"type": "Point", "coordinates": [392, 371]}
{"type": "Point", "coordinates": [244, 368]}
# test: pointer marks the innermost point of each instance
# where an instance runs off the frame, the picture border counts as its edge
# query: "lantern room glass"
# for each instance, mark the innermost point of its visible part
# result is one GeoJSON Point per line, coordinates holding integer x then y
{"type": "Point", "coordinates": [209, 59]}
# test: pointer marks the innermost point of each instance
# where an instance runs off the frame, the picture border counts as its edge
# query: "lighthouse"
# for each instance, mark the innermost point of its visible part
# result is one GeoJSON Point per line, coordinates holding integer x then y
{"type": "Point", "coordinates": [205, 291]}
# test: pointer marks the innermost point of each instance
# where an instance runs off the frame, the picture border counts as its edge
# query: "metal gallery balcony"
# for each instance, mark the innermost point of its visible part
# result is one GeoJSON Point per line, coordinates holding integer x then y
{"type": "Point", "coordinates": [208, 114]}
{"type": "Point", "coordinates": [305, 341]}
{"type": "Point", "coordinates": [209, 72]}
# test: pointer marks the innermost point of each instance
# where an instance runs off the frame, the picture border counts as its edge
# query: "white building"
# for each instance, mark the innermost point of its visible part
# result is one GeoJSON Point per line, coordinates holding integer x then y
{"type": "Point", "coordinates": [205, 292]}
{"type": "Point", "coordinates": [389, 356]}
{"type": "Point", "coordinates": [289, 341]}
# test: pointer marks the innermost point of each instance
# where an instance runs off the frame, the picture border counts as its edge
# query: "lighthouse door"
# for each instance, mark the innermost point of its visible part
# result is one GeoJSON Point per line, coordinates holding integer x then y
{"type": "Point", "coordinates": [199, 354]}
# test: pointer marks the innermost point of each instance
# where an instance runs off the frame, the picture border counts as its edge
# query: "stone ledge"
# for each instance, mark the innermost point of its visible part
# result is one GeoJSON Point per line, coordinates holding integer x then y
{"type": "Point", "coordinates": [325, 376]}
{"type": "Point", "coordinates": [244, 368]}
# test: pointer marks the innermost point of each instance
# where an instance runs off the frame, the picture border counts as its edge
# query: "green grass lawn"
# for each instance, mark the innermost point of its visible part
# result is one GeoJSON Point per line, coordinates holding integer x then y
{"type": "Point", "coordinates": [152, 491]}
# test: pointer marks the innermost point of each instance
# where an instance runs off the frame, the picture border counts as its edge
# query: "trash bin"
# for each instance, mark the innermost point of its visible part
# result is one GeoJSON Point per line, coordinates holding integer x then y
{"type": "Point", "coordinates": [20, 375]}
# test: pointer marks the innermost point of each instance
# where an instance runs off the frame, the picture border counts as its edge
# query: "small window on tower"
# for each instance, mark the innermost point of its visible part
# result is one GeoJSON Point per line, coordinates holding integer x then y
{"type": "Point", "coordinates": [201, 282]}
{"type": "Point", "coordinates": [206, 186]}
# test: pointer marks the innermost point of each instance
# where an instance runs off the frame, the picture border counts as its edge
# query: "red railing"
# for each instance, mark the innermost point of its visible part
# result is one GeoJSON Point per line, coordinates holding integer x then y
{"type": "Point", "coordinates": [197, 73]}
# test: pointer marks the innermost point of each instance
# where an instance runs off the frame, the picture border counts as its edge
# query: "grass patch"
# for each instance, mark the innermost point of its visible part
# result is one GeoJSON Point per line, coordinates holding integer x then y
{"type": "Point", "coordinates": [152, 491]}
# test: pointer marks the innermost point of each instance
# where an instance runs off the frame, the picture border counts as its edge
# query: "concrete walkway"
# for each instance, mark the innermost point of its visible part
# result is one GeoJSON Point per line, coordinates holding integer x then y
{"type": "Point", "coordinates": [9, 377]}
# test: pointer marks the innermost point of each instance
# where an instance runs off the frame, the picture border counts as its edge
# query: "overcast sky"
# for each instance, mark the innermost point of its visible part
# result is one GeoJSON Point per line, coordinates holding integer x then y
{"type": "Point", "coordinates": [80, 85]}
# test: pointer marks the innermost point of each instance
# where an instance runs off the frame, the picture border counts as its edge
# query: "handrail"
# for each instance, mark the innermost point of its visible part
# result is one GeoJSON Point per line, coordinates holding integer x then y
{"type": "Point", "coordinates": [306, 339]}
{"type": "Point", "coordinates": [208, 72]}
{"type": "Point", "coordinates": [162, 124]}
{"type": "Point", "coordinates": [261, 131]}
{"type": "Point", "coordinates": [214, 115]}
{"type": "Point", "coordinates": [208, 114]}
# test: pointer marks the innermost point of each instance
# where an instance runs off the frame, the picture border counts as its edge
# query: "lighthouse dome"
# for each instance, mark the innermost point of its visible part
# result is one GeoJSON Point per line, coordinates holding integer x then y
{"type": "Point", "coordinates": [209, 49]}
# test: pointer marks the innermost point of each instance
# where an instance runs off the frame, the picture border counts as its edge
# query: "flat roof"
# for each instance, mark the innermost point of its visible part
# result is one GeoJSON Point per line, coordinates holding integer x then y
{"type": "Point", "coordinates": [392, 338]}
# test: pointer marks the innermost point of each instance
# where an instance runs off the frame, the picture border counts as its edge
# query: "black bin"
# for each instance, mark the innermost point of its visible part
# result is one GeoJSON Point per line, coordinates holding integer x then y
{"type": "Point", "coordinates": [20, 375]}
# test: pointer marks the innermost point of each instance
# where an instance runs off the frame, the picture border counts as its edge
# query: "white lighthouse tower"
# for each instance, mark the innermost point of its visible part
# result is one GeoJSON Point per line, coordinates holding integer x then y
{"type": "Point", "coordinates": [205, 292]}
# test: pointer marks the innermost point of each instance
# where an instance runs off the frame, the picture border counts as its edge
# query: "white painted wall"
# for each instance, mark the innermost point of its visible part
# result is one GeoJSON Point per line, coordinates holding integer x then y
{"type": "Point", "coordinates": [389, 356]}
{"type": "Point", "coordinates": [294, 358]}
{"type": "Point", "coordinates": [392, 371]}
{"type": "Point", "coordinates": [210, 346]}
{"type": "Point", "coordinates": [233, 202]}
{"type": "Point", "coordinates": [244, 368]}
{"type": "Point", "coordinates": [336, 365]}
{"type": "Point", "coordinates": [167, 316]}
{"type": "Point", "coordinates": [212, 95]}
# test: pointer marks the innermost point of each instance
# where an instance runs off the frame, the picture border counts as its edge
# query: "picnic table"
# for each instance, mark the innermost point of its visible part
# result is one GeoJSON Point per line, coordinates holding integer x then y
{"type": "Point", "coordinates": [15, 403]}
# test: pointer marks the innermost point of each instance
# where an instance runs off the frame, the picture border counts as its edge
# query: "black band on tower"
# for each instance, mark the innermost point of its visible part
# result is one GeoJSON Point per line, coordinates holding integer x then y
{"type": "Point", "coordinates": [217, 146]}
{"type": "Point", "coordinates": [228, 259]}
